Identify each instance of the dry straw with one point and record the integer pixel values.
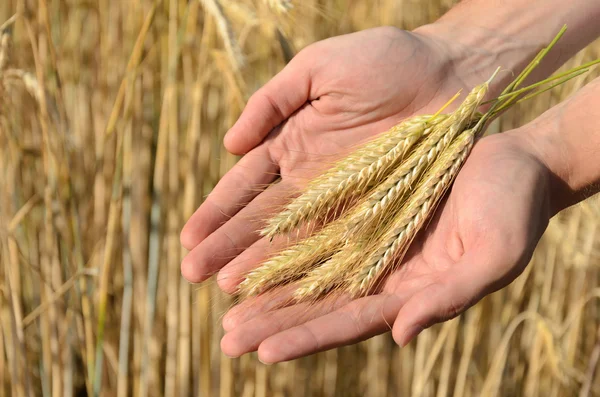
(236, 56)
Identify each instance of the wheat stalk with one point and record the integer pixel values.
(28, 80)
(236, 56)
(350, 176)
(413, 216)
(4, 49)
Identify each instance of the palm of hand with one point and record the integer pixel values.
(334, 95)
(356, 95)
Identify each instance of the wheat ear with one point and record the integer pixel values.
(356, 259)
(292, 263)
(363, 219)
(351, 176)
(413, 216)
(329, 275)
(393, 189)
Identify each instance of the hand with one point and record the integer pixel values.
(481, 239)
(333, 95)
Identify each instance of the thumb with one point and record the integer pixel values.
(456, 289)
(271, 105)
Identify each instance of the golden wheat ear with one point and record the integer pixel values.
(369, 165)
(353, 175)
(390, 193)
(397, 181)
(292, 263)
(362, 222)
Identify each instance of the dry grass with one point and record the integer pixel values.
(72, 202)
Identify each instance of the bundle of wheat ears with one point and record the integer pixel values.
(384, 193)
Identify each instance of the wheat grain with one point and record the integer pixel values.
(328, 276)
(352, 175)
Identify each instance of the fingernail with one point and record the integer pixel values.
(263, 362)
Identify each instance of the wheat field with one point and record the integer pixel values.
(112, 115)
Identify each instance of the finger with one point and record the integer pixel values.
(464, 284)
(236, 189)
(234, 236)
(254, 306)
(232, 274)
(359, 320)
(270, 105)
(400, 283)
(249, 335)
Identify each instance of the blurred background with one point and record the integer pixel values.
(112, 115)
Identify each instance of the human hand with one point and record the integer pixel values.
(333, 95)
(481, 239)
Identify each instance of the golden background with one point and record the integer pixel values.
(112, 115)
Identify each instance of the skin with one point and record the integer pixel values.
(333, 95)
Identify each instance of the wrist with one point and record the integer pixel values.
(482, 35)
(475, 53)
(544, 151)
(566, 139)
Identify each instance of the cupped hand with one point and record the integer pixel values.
(333, 95)
(481, 239)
